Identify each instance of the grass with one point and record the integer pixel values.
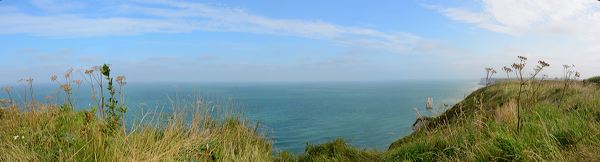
(195, 131)
(55, 134)
(468, 133)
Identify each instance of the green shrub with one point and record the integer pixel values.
(595, 79)
(337, 150)
(435, 150)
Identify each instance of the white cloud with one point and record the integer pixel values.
(162, 16)
(561, 31)
(580, 18)
(78, 26)
(56, 5)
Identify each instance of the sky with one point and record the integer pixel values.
(284, 40)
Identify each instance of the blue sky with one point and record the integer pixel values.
(239, 40)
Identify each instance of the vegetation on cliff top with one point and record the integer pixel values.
(205, 131)
(484, 126)
(559, 121)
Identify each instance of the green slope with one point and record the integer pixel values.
(484, 126)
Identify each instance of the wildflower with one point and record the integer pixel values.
(16, 137)
(518, 66)
(522, 58)
(507, 69)
(121, 80)
(66, 87)
(543, 63)
(68, 73)
(7, 89)
(89, 71)
(53, 78)
(78, 82)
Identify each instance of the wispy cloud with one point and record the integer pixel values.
(579, 18)
(563, 31)
(56, 5)
(163, 16)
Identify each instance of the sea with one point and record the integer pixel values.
(369, 115)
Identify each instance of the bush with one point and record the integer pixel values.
(434, 150)
(595, 79)
(337, 150)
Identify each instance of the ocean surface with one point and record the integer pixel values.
(367, 114)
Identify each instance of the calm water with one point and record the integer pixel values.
(367, 114)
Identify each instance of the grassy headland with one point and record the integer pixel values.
(483, 127)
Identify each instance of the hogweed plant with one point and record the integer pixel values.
(94, 77)
(519, 70)
(28, 89)
(488, 76)
(536, 71)
(122, 107)
(8, 90)
(508, 71)
(519, 74)
(536, 89)
(569, 75)
(66, 87)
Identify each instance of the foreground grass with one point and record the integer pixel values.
(55, 134)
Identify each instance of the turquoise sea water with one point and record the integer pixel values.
(366, 114)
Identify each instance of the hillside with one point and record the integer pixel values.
(483, 126)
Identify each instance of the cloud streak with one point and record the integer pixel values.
(162, 16)
(565, 31)
(580, 18)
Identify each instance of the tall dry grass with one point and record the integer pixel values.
(192, 130)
